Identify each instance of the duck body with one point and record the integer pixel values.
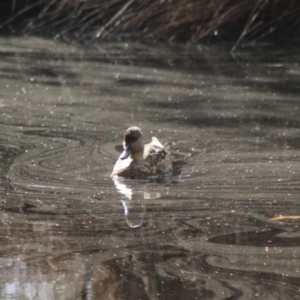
(139, 160)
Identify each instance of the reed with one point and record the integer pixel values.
(181, 20)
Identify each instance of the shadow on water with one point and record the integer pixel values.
(223, 226)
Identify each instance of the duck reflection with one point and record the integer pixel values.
(134, 201)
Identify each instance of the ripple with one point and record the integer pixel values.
(268, 238)
(59, 163)
(210, 273)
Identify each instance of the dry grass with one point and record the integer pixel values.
(186, 20)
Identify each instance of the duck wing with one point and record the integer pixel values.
(155, 154)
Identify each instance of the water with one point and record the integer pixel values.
(224, 226)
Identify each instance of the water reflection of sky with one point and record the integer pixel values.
(224, 225)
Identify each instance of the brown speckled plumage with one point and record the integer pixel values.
(139, 160)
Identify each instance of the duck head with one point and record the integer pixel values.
(133, 143)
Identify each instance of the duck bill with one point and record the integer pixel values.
(126, 153)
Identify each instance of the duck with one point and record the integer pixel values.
(139, 160)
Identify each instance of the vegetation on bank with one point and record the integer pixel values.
(179, 20)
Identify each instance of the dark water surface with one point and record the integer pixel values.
(224, 226)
